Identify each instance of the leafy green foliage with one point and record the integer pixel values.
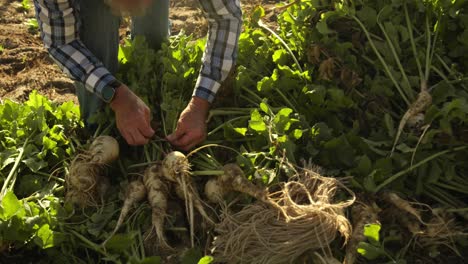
(329, 87)
(34, 142)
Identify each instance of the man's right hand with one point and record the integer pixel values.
(132, 116)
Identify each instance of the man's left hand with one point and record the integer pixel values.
(191, 127)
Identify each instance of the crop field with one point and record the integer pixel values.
(341, 137)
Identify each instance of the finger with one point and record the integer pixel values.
(146, 130)
(128, 137)
(189, 140)
(176, 135)
(139, 138)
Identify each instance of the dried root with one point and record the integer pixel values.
(304, 218)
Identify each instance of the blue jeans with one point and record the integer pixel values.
(100, 33)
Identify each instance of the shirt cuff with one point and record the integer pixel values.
(100, 80)
(206, 88)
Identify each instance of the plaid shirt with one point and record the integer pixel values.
(60, 24)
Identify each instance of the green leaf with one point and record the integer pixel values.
(265, 85)
(151, 260)
(371, 231)
(122, 57)
(280, 57)
(120, 242)
(364, 166)
(206, 260)
(7, 158)
(12, 206)
(240, 130)
(389, 124)
(45, 237)
(191, 256)
(323, 28)
(256, 122)
(257, 14)
(264, 107)
(368, 16)
(369, 182)
(35, 164)
(369, 251)
(297, 134)
(49, 143)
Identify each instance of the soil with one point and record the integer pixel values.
(26, 66)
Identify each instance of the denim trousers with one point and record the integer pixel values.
(99, 31)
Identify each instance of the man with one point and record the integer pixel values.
(82, 37)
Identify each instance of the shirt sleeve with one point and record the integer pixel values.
(59, 25)
(225, 22)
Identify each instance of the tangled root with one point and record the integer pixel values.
(303, 218)
(85, 182)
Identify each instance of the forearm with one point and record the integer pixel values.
(59, 24)
(225, 22)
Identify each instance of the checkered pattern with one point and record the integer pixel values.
(225, 22)
(59, 23)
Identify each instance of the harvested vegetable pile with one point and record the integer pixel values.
(307, 219)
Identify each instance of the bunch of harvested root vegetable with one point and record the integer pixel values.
(156, 185)
(86, 181)
(283, 225)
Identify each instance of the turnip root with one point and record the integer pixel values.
(87, 171)
(157, 192)
(135, 192)
(214, 191)
(423, 101)
(82, 176)
(233, 179)
(104, 150)
(402, 204)
(175, 165)
(175, 168)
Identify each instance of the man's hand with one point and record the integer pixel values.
(191, 127)
(132, 116)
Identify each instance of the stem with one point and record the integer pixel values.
(382, 61)
(50, 176)
(451, 187)
(262, 25)
(207, 173)
(440, 198)
(286, 100)
(428, 50)
(252, 93)
(138, 165)
(443, 76)
(249, 100)
(224, 124)
(448, 199)
(211, 145)
(403, 172)
(92, 245)
(13, 172)
(230, 111)
(457, 210)
(397, 60)
(413, 44)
